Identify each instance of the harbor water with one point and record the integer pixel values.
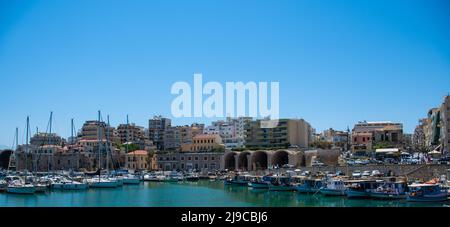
(203, 193)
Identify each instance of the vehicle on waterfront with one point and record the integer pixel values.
(317, 163)
(376, 173)
(366, 174)
(390, 189)
(356, 174)
(426, 193)
(334, 187)
(359, 188)
(281, 183)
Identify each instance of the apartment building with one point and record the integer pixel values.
(156, 129)
(288, 132)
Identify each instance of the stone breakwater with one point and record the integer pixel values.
(422, 172)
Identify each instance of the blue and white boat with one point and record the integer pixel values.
(359, 188)
(281, 183)
(241, 180)
(260, 182)
(426, 193)
(309, 185)
(334, 187)
(389, 190)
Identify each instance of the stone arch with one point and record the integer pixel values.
(259, 160)
(280, 158)
(243, 160)
(230, 161)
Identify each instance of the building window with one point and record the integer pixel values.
(205, 158)
(196, 158)
(182, 158)
(205, 166)
(212, 158)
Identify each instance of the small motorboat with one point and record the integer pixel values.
(97, 182)
(359, 188)
(131, 179)
(389, 190)
(237, 180)
(334, 187)
(281, 183)
(426, 193)
(20, 187)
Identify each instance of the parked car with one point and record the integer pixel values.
(350, 162)
(288, 166)
(444, 160)
(376, 173)
(340, 173)
(366, 174)
(317, 163)
(356, 174)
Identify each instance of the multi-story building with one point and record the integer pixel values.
(156, 129)
(335, 137)
(130, 133)
(206, 143)
(43, 138)
(186, 161)
(445, 125)
(137, 160)
(381, 134)
(95, 130)
(172, 139)
(288, 132)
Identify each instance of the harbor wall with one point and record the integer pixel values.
(423, 172)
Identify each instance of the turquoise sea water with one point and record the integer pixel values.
(187, 194)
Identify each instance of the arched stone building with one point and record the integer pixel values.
(261, 159)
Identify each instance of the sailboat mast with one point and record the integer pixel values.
(26, 143)
(48, 136)
(99, 155)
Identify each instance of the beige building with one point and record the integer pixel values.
(288, 132)
(204, 143)
(137, 160)
(369, 135)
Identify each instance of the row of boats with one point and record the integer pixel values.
(27, 183)
(377, 188)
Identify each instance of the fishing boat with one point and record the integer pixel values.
(173, 176)
(334, 187)
(309, 185)
(281, 183)
(192, 177)
(426, 193)
(131, 179)
(359, 188)
(20, 187)
(389, 190)
(241, 180)
(260, 182)
(151, 177)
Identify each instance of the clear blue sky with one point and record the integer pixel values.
(337, 62)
